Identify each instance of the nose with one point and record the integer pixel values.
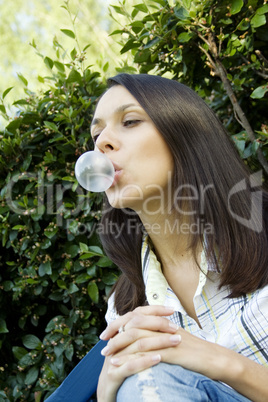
(106, 141)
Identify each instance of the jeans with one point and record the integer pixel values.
(169, 383)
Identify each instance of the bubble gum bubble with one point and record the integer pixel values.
(94, 171)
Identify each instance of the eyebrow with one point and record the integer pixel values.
(120, 109)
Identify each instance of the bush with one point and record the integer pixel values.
(54, 275)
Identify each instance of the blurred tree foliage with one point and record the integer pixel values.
(38, 23)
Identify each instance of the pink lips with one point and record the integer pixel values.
(116, 167)
(118, 171)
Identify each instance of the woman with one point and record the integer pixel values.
(188, 317)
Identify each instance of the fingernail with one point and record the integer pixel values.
(175, 339)
(105, 351)
(173, 326)
(156, 358)
(103, 335)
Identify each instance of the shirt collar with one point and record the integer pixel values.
(156, 287)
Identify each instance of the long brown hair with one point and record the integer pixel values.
(204, 157)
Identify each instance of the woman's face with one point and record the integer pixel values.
(123, 131)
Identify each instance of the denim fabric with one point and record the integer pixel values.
(170, 383)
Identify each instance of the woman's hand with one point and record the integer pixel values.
(146, 317)
(112, 375)
(145, 323)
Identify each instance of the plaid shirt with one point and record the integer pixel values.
(240, 323)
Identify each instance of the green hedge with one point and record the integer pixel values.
(54, 276)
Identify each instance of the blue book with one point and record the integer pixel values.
(81, 383)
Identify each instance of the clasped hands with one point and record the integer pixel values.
(140, 334)
(145, 337)
(150, 337)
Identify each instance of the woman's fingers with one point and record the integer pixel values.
(123, 367)
(146, 317)
(137, 341)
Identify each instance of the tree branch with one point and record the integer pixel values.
(239, 112)
(215, 62)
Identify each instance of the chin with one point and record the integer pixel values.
(128, 205)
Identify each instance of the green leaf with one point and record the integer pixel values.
(86, 47)
(96, 251)
(105, 67)
(69, 351)
(263, 9)
(82, 278)
(161, 2)
(50, 232)
(45, 268)
(69, 178)
(20, 102)
(185, 37)
(23, 79)
(109, 278)
(31, 342)
(48, 62)
(131, 44)
(181, 13)
(19, 352)
(152, 42)
(83, 247)
(186, 4)
(19, 227)
(255, 146)
(69, 33)
(259, 92)
(104, 262)
(73, 288)
(74, 76)
(119, 10)
(142, 56)
(61, 284)
(2, 109)
(31, 376)
(236, 6)
(116, 32)
(59, 66)
(72, 250)
(73, 53)
(41, 79)
(141, 7)
(3, 326)
(51, 126)
(258, 20)
(6, 92)
(137, 26)
(93, 292)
